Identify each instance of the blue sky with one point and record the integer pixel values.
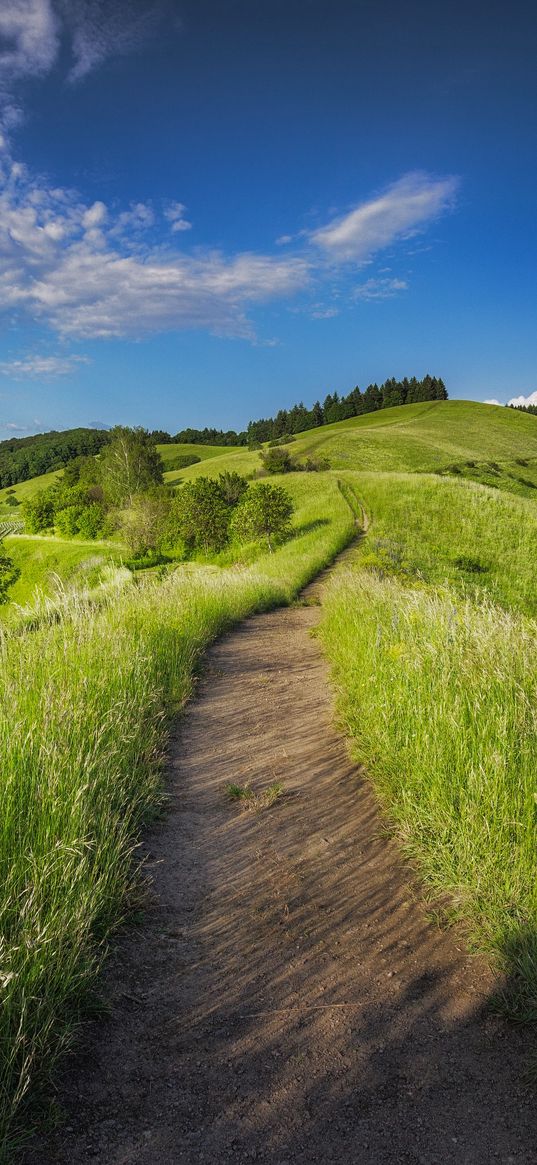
(212, 209)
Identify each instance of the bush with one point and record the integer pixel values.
(232, 487)
(182, 461)
(265, 512)
(200, 516)
(286, 440)
(91, 521)
(277, 460)
(39, 513)
(67, 521)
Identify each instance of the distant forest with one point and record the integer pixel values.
(24, 457)
(334, 408)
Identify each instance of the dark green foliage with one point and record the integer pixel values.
(39, 513)
(9, 573)
(335, 408)
(200, 516)
(182, 461)
(24, 457)
(470, 565)
(11, 500)
(232, 487)
(313, 464)
(265, 512)
(209, 437)
(277, 460)
(281, 441)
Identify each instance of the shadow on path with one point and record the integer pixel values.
(287, 999)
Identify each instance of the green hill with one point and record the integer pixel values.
(436, 435)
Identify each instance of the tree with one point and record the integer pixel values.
(9, 573)
(201, 516)
(143, 525)
(39, 512)
(277, 460)
(130, 464)
(265, 512)
(232, 487)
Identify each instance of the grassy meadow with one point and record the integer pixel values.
(82, 749)
(432, 640)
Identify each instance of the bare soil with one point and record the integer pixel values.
(287, 999)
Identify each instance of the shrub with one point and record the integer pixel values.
(265, 512)
(232, 487)
(277, 460)
(39, 513)
(182, 461)
(200, 516)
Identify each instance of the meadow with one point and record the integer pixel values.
(432, 641)
(82, 750)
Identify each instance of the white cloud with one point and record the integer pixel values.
(493, 401)
(175, 215)
(79, 269)
(524, 400)
(401, 211)
(29, 32)
(41, 367)
(88, 270)
(379, 288)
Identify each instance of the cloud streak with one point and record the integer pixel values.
(35, 367)
(400, 212)
(93, 271)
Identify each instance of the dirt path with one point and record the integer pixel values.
(286, 999)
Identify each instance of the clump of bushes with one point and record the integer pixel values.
(182, 461)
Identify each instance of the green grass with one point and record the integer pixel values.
(412, 438)
(435, 521)
(439, 697)
(45, 560)
(424, 437)
(25, 490)
(85, 703)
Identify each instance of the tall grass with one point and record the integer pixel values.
(444, 526)
(84, 706)
(439, 696)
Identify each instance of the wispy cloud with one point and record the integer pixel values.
(35, 367)
(101, 29)
(401, 211)
(381, 288)
(524, 400)
(91, 270)
(175, 213)
(31, 33)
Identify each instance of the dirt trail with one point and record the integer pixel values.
(286, 999)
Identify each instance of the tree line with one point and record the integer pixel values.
(340, 408)
(525, 409)
(24, 457)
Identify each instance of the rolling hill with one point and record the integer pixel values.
(436, 435)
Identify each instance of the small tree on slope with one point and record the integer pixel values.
(265, 512)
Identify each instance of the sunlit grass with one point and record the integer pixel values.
(84, 705)
(439, 696)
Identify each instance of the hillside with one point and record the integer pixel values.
(435, 435)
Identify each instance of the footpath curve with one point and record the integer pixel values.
(286, 999)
